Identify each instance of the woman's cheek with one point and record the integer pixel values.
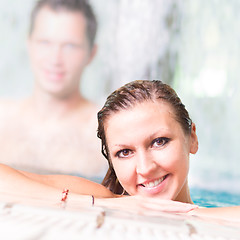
(165, 159)
(171, 157)
(125, 172)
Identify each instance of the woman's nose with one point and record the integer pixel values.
(145, 164)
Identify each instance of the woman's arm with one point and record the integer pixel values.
(145, 205)
(46, 186)
(75, 184)
(225, 213)
(25, 187)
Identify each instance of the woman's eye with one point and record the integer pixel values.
(159, 142)
(124, 153)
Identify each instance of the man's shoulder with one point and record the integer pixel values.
(92, 105)
(87, 115)
(9, 106)
(88, 108)
(5, 104)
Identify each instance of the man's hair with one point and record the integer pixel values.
(81, 6)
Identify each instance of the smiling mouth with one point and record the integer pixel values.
(154, 183)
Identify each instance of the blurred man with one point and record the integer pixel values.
(54, 131)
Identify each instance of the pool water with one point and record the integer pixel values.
(207, 198)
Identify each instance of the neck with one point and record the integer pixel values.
(48, 106)
(184, 195)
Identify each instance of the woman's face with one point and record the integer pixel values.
(149, 150)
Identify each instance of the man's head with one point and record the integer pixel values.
(61, 45)
(81, 6)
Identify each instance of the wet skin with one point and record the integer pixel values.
(150, 151)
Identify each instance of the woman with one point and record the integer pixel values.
(147, 137)
(52, 190)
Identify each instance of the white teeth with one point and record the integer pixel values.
(154, 183)
(151, 184)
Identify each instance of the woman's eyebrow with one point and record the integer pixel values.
(121, 145)
(161, 131)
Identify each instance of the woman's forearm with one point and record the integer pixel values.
(46, 186)
(14, 183)
(225, 213)
(75, 184)
(31, 188)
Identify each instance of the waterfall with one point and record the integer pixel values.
(207, 80)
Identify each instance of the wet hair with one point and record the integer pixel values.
(127, 97)
(81, 6)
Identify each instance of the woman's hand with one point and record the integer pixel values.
(144, 205)
(224, 213)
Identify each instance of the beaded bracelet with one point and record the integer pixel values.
(64, 194)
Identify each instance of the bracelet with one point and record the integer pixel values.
(64, 194)
(92, 200)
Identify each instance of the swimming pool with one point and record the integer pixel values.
(208, 198)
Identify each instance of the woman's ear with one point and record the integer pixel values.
(193, 140)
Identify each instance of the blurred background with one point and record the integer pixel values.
(191, 45)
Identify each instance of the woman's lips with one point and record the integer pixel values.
(153, 187)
